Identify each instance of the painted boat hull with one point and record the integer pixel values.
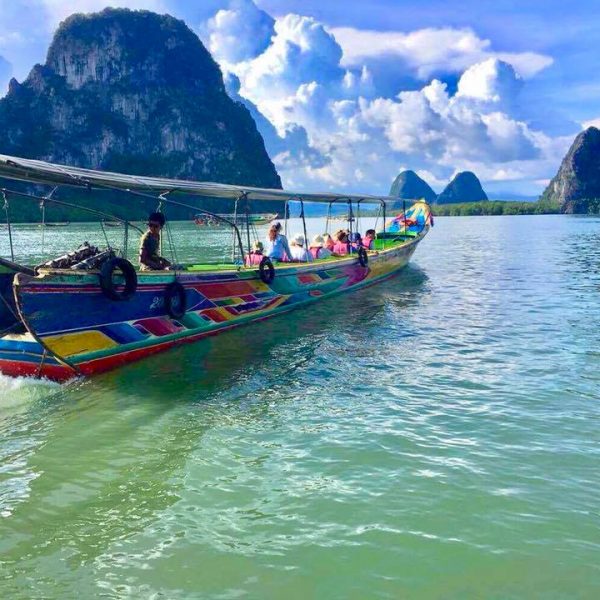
(74, 330)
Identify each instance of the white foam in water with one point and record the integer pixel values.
(15, 390)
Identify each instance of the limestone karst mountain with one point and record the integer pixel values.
(135, 92)
(408, 185)
(464, 187)
(577, 183)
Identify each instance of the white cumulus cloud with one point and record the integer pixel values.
(430, 51)
(240, 32)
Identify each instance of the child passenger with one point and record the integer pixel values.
(369, 239)
(256, 255)
(317, 249)
(340, 247)
(328, 242)
(298, 252)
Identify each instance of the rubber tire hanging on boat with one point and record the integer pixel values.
(363, 257)
(109, 289)
(175, 291)
(266, 270)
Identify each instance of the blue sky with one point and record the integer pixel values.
(348, 93)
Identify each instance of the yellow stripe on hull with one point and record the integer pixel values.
(70, 344)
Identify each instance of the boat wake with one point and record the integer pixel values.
(16, 390)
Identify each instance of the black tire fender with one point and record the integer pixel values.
(363, 257)
(175, 300)
(266, 270)
(109, 289)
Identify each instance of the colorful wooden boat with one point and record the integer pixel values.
(59, 323)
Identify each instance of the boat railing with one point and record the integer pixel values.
(105, 218)
(49, 199)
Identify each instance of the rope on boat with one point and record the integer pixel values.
(17, 322)
(126, 241)
(41, 365)
(8, 225)
(43, 209)
(377, 217)
(171, 244)
(105, 235)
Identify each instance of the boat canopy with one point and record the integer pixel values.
(37, 171)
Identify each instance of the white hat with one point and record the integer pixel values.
(317, 242)
(298, 240)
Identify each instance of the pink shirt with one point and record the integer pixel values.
(368, 242)
(340, 248)
(253, 259)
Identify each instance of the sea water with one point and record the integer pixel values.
(435, 436)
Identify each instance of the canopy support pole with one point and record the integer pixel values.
(304, 229)
(244, 196)
(233, 245)
(328, 217)
(384, 218)
(350, 221)
(8, 225)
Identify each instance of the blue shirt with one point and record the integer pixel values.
(277, 249)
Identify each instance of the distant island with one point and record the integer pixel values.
(495, 208)
(574, 190)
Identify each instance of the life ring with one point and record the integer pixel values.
(363, 257)
(109, 289)
(175, 300)
(266, 270)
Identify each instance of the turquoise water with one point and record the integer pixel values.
(436, 436)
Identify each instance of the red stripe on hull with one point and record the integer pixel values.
(58, 373)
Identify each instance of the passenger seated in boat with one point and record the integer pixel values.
(276, 245)
(150, 260)
(355, 241)
(369, 238)
(340, 246)
(328, 242)
(256, 255)
(298, 252)
(317, 248)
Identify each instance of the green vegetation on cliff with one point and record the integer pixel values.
(490, 207)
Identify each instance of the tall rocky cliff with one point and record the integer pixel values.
(135, 92)
(465, 187)
(577, 184)
(408, 185)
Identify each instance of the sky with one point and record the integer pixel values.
(348, 93)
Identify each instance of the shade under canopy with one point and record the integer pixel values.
(37, 171)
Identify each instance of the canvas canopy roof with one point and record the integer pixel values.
(37, 171)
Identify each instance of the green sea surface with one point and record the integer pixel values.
(434, 436)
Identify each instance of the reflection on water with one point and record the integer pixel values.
(435, 435)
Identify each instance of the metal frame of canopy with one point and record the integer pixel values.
(42, 172)
(37, 171)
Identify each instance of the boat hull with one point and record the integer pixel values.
(74, 330)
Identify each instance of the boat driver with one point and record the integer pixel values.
(150, 260)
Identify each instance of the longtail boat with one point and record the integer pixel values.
(222, 221)
(91, 310)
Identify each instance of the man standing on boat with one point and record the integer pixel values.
(150, 260)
